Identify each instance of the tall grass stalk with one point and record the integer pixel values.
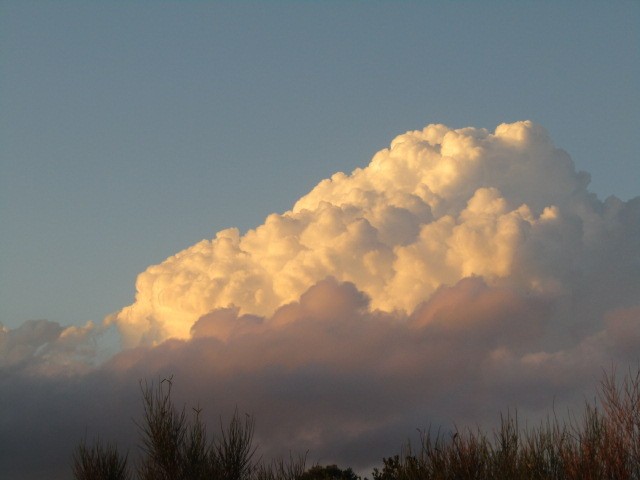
(604, 443)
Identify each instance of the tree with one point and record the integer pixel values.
(329, 472)
(391, 469)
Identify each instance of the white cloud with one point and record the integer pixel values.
(437, 206)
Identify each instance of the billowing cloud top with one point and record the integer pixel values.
(437, 206)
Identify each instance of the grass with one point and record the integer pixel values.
(604, 443)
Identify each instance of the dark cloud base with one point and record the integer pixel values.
(343, 383)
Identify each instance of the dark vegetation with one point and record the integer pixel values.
(604, 443)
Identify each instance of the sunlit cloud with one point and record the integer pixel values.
(437, 206)
(460, 273)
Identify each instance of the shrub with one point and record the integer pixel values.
(176, 447)
(328, 472)
(99, 462)
(602, 444)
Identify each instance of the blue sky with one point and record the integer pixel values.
(131, 130)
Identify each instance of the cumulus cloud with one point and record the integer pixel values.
(460, 273)
(41, 345)
(437, 206)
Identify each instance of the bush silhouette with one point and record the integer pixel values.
(329, 472)
(602, 444)
(175, 447)
(99, 462)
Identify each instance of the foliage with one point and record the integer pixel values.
(176, 447)
(280, 469)
(329, 472)
(603, 444)
(99, 462)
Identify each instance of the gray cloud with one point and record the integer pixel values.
(349, 386)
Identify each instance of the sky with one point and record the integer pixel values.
(162, 176)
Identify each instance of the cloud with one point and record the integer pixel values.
(41, 345)
(459, 274)
(437, 206)
(327, 374)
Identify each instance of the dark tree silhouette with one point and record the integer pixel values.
(329, 472)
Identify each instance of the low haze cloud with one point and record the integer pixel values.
(461, 273)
